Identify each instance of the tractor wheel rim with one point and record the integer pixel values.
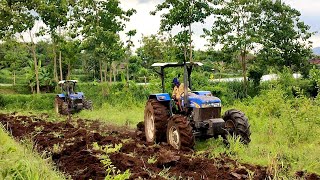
(230, 126)
(150, 126)
(57, 108)
(174, 137)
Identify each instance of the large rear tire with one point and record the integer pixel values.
(237, 125)
(87, 104)
(179, 132)
(155, 121)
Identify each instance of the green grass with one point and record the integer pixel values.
(116, 115)
(18, 161)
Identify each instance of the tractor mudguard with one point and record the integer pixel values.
(160, 97)
(61, 95)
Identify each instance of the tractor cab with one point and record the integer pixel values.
(68, 89)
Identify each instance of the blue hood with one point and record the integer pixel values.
(203, 99)
(78, 95)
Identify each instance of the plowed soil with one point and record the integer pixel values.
(71, 146)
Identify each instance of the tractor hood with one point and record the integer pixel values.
(78, 95)
(203, 99)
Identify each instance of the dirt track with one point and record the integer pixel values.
(71, 148)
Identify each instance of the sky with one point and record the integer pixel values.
(146, 24)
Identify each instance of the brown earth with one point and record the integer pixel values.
(71, 146)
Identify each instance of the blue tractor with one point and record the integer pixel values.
(199, 115)
(70, 101)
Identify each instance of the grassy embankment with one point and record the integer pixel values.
(18, 161)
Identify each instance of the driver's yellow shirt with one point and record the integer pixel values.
(178, 91)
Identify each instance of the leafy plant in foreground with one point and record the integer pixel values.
(112, 172)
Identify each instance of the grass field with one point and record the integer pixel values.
(19, 161)
(117, 115)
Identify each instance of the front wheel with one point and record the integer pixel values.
(236, 123)
(179, 132)
(60, 106)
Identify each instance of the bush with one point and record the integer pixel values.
(115, 93)
(16, 89)
(2, 102)
(28, 102)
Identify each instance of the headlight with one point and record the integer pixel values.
(161, 97)
(216, 104)
(211, 105)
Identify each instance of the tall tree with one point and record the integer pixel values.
(151, 49)
(183, 14)
(100, 21)
(70, 48)
(235, 29)
(17, 17)
(130, 44)
(285, 37)
(16, 55)
(55, 15)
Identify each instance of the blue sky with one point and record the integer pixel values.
(146, 24)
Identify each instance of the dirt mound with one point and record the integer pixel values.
(73, 147)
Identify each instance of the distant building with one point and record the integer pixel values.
(315, 61)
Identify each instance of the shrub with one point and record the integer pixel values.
(2, 102)
(28, 102)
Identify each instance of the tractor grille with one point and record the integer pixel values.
(76, 101)
(207, 113)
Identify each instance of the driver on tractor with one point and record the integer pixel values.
(178, 91)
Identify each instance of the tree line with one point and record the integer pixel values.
(253, 36)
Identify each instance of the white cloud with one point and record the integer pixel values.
(25, 36)
(142, 21)
(316, 40)
(307, 7)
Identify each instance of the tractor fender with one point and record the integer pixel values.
(61, 95)
(160, 97)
